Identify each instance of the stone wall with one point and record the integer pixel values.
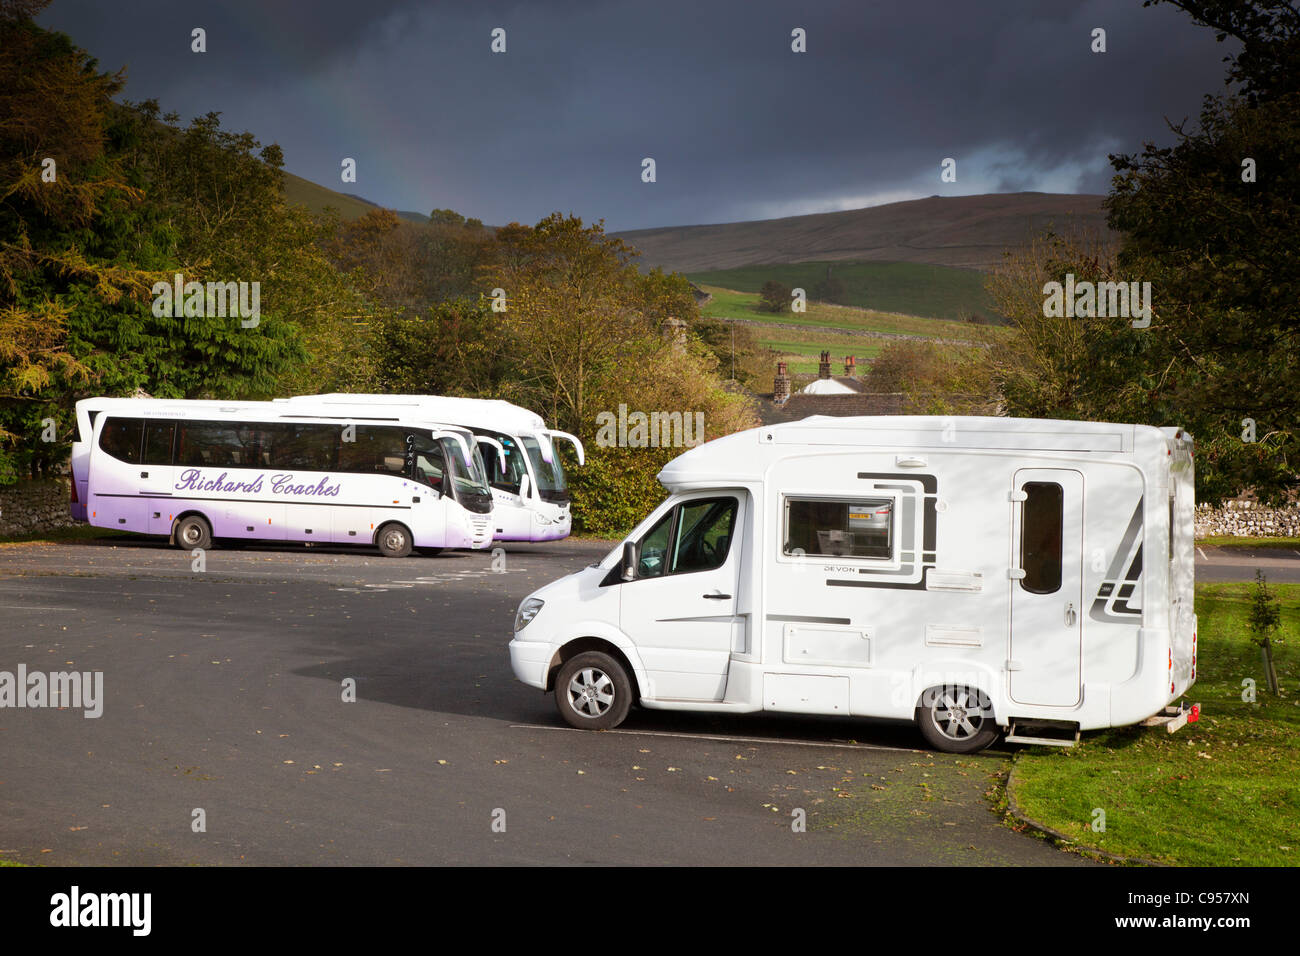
(34, 505)
(1247, 519)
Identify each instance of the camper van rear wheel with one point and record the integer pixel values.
(956, 719)
(592, 691)
(193, 531)
(394, 540)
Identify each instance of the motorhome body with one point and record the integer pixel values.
(968, 573)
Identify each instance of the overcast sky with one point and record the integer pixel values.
(739, 126)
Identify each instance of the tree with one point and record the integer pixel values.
(1269, 33)
(1210, 223)
(829, 289)
(59, 182)
(458, 347)
(1265, 618)
(774, 296)
(586, 332)
(935, 379)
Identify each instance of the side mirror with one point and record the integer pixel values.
(629, 560)
(523, 487)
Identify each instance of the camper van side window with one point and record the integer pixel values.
(1041, 537)
(857, 528)
(652, 556)
(694, 536)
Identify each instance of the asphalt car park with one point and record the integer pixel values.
(227, 734)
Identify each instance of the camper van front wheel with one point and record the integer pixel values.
(956, 719)
(592, 691)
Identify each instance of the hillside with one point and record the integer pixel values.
(913, 288)
(968, 232)
(304, 192)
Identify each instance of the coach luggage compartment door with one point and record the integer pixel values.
(1046, 587)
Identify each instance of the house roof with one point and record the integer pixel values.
(802, 405)
(830, 386)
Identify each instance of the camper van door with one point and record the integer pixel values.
(680, 609)
(1046, 587)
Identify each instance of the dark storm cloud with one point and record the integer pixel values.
(739, 126)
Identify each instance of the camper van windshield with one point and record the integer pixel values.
(551, 485)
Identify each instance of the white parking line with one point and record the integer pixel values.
(32, 607)
(1202, 554)
(723, 738)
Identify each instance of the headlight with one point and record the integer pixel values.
(527, 611)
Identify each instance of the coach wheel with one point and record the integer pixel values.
(956, 719)
(394, 541)
(193, 531)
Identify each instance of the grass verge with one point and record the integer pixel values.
(1222, 541)
(77, 532)
(1220, 792)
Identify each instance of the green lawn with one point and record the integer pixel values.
(1222, 541)
(803, 350)
(940, 292)
(1221, 792)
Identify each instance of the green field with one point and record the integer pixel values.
(908, 288)
(733, 304)
(802, 350)
(800, 347)
(1219, 792)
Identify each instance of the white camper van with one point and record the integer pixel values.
(976, 575)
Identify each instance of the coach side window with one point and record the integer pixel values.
(377, 449)
(158, 438)
(121, 438)
(218, 445)
(304, 447)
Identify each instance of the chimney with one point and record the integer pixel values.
(781, 387)
(850, 366)
(824, 369)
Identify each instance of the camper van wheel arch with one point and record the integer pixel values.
(956, 719)
(593, 691)
(192, 531)
(393, 540)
